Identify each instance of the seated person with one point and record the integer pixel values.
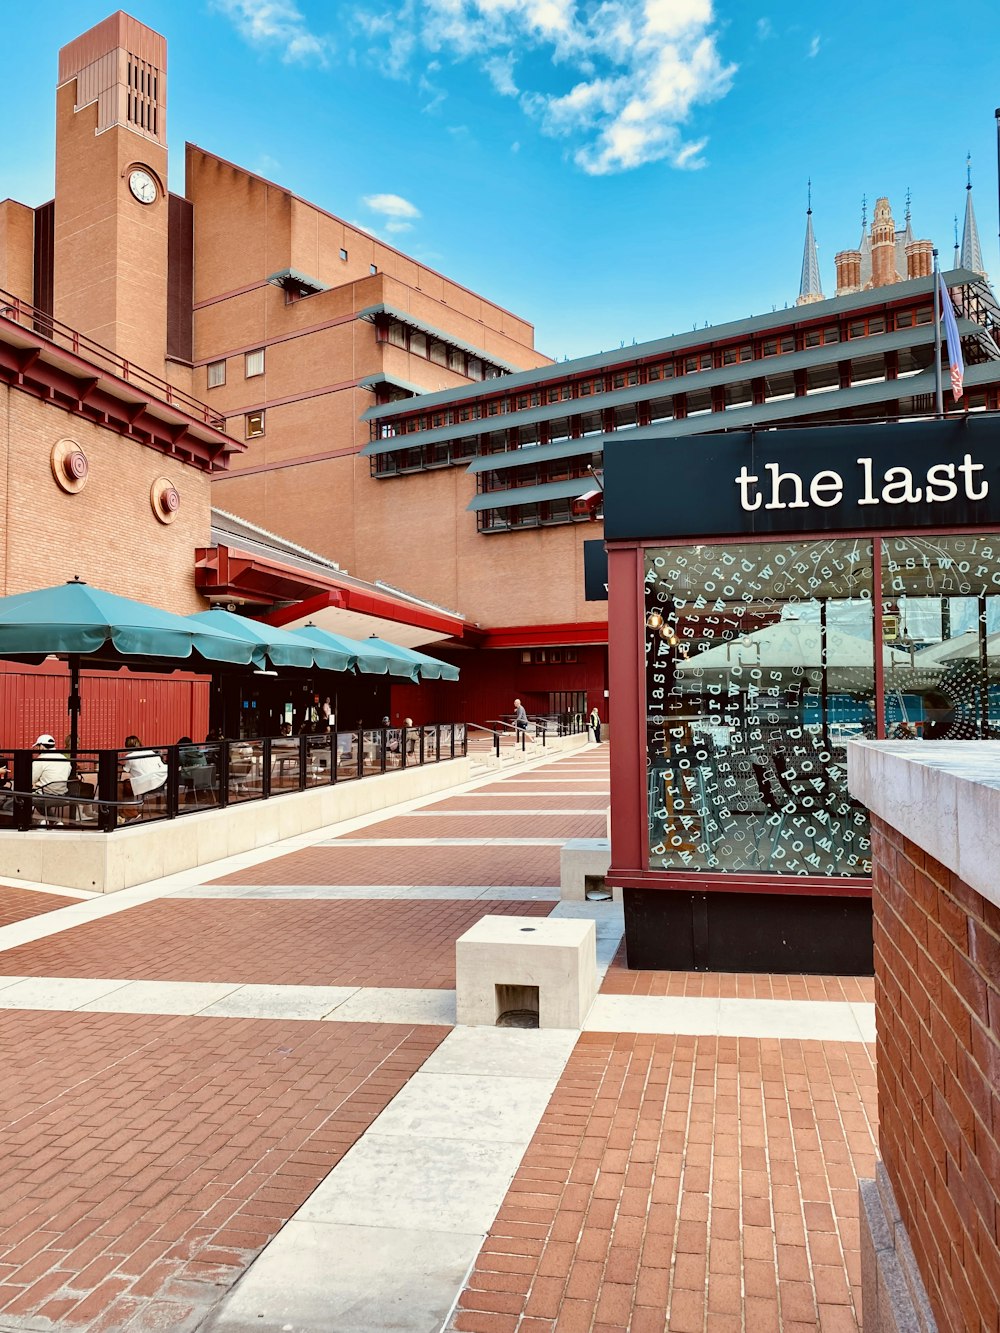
(51, 769)
(50, 772)
(145, 770)
(189, 755)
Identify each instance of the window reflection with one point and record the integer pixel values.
(941, 615)
(760, 667)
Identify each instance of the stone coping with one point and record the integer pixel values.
(944, 796)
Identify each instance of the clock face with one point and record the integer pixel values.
(142, 186)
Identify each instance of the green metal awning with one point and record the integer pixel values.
(530, 495)
(371, 312)
(373, 381)
(538, 453)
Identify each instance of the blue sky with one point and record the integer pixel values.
(611, 172)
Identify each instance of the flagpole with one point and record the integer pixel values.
(938, 384)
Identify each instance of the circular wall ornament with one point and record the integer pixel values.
(69, 466)
(165, 499)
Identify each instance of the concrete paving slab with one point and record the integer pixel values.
(467, 1107)
(421, 1183)
(456, 892)
(710, 1016)
(160, 997)
(384, 1004)
(56, 992)
(317, 1277)
(259, 1001)
(512, 1052)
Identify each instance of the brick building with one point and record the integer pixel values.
(389, 422)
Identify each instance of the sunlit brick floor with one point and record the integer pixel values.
(687, 1183)
(146, 1160)
(19, 904)
(674, 1183)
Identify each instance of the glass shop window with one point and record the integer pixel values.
(760, 667)
(941, 636)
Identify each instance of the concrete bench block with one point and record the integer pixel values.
(553, 958)
(580, 860)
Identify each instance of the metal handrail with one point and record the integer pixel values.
(43, 325)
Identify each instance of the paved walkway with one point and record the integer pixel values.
(243, 1103)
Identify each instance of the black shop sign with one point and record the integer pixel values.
(940, 474)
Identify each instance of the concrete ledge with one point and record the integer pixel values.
(928, 790)
(580, 860)
(893, 1298)
(106, 862)
(553, 959)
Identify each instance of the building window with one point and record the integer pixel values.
(343, 254)
(372, 268)
(216, 374)
(254, 363)
(456, 360)
(254, 424)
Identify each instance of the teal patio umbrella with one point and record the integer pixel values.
(430, 668)
(74, 620)
(370, 661)
(283, 648)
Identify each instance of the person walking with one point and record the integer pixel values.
(595, 724)
(520, 719)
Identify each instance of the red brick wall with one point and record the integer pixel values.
(937, 994)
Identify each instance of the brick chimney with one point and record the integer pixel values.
(919, 259)
(848, 264)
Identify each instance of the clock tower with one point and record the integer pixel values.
(111, 208)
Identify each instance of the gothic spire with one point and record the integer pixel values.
(972, 254)
(810, 287)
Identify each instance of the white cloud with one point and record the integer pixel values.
(391, 206)
(395, 227)
(764, 29)
(277, 24)
(622, 76)
(814, 46)
(501, 73)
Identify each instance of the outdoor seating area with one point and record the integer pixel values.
(98, 792)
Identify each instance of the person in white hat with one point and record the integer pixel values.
(51, 770)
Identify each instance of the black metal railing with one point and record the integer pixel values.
(103, 789)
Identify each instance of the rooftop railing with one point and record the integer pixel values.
(37, 321)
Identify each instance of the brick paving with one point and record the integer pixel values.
(503, 800)
(688, 1184)
(20, 904)
(745, 985)
(303, 942)
(340, 863)
(486, 826)
(147, 1160)
(674, 1183)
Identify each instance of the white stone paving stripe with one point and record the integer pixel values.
(697, 1016)
(498, 814)
(444, 842)
(456, 892)
(801, 1020)
(438, 1159)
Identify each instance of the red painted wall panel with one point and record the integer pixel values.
(158, 708)
(490, 681)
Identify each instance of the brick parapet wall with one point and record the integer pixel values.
(937, 996)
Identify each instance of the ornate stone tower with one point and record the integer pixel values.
(110, 236)
(883, 243)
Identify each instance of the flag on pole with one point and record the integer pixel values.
(955, 362)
